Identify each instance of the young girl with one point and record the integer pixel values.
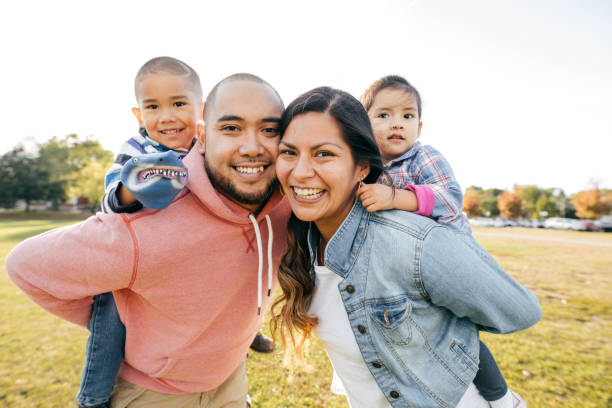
(419, 179)
(389, 293)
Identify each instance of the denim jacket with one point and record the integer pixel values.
(416, 294)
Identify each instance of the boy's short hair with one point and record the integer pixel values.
(210, 98)
(389, 81)
(171, 66)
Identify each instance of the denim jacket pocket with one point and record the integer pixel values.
(391, 320)
(465, 359)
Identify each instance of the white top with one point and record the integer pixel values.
(339, 341)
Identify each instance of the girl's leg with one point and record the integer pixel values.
(489, 380)
(103, 353)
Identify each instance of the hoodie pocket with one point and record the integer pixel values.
(391, 320)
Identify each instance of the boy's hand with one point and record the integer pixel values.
(155, 179)
(375, 197)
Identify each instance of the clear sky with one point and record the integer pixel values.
(516, 91)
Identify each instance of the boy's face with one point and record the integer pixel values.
(168, 109)
(241, 141)
(395, 122)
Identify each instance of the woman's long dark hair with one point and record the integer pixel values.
(294, 270)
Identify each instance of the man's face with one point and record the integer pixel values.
(241, 141)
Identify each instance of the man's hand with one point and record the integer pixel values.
(375, 197)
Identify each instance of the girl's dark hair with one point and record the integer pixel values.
(294, 270)
(390, 81)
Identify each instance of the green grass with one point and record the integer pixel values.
(564, 361)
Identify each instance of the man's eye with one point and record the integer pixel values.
(383, 115)
(230, 128)
(271, 130)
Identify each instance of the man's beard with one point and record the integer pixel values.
(225, 187)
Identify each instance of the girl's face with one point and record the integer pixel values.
(395, 121)
(317, 171)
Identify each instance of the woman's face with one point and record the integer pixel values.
(317, 171)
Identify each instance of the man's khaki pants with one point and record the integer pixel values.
(231, 394)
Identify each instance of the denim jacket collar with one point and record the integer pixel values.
(342, 249)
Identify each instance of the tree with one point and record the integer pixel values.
(471, 203)
(66, 159)
(23, 178)
(547, 204)
(510, 204)
(530, 195)
(594, 203)
(90, 182)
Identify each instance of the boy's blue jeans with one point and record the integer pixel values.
(103, 353)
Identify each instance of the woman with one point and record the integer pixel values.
(396, 298)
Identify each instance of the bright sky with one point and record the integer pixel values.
(515, 91)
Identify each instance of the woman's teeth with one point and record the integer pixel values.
(250, 170)
(308, 193)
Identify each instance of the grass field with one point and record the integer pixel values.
(564, 361)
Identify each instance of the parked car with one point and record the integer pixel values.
(558, 223)
(605, 223)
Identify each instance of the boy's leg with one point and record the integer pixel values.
(489, 380)
(103, 353)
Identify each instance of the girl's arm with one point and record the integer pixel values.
(459, 275)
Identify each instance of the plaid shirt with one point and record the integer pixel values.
(424, 165)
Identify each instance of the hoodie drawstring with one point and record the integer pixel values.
(260, 254)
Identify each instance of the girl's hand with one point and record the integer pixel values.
(375, 197)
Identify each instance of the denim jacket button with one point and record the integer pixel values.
(361, 329)
(394, 394)
(350, 289)
(376, 364)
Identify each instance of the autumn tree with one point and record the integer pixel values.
(592, 204)
(510, 204)
(471, 203)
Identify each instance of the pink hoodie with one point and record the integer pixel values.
(185, 280)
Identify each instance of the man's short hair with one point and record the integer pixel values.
(171, 66)
(210, 98)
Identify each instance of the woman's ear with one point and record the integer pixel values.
(364, 170)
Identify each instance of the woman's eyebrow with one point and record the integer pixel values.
(289, 145)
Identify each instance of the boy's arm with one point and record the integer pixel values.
(63, 268)
(459, 275)
(117, 198)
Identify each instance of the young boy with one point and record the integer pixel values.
(419, 179)
(169, 97)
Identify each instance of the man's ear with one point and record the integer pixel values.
(201, 136)
(138, 114)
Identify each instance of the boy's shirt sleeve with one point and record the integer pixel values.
(112, 180)
(432, 170)
(62, 269)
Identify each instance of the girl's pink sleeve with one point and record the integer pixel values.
(62, 269)
(425, 198)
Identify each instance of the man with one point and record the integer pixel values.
(187, 280)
